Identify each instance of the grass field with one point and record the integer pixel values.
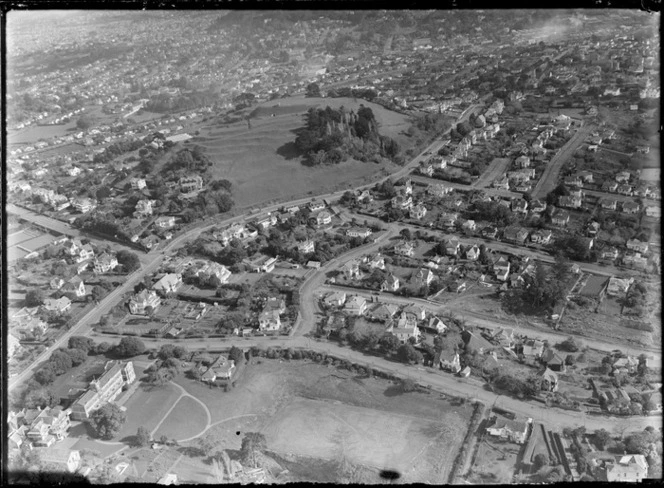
(261, 161)
(146, 407)
(311, 411)
(495, 463)
(185, 420)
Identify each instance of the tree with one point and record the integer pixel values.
(78, 356)
(568, 345)
(61, 362)
(253, 443)
(107, 421)
(408, 385)
(84, 122)
(34, 298)
(601, 438)
(40, 397)
(128, 260)
(80, 342)
(129, 347)
(143, 437)
(236, 354)
(408, 354)
(45, 375)
(168, 351)
(313, 90)
(388, 342)
(103, 347)
(540, 461)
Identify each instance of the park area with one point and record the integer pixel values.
(261, 162)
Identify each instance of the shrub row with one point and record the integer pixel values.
(475, 420)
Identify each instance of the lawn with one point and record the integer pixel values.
(261, 163)
(186, 420)
(146, 407)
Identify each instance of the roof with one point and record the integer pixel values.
(511, 425)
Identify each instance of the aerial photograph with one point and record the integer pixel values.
(332, 246)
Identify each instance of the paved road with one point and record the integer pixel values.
(43, 221)
(549, 178)
(440, 381)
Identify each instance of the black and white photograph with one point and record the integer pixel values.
(262, 245)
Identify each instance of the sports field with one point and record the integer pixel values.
(263, 164)
(146, 407)
(187, 419)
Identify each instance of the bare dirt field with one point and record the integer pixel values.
(261, 161)
(495, 463)
(309, 411)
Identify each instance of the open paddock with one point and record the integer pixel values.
(186, 420)
(146, 407)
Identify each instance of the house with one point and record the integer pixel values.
(504, 337)
(532, 348)
(323, 218)
(512, 430)
(573, 181)
(635, 260)
(315, 206)
(560, 218)
(351, 270)
(263, 264)
(405, 333)
(365, 196)
(618, 286)
(65, 459)
(84, 205)
(269, 320)
(391, 283)
(654, 211)
(625, 190)
(169, 283)
(623, 177)
(422, 277)
(60, 305)
(356, 305)
(436, 324)
(439, 190)
(541, 236)
(335, 299)
(143, 208)
(415, 313)
(140, 301)
(474, 342)
(515, 235)
(208, 273)
(448, 361)
(570, 201)
(452, 247)
(610, 186)
(627, 365)
(469, 225)
(636, 245)
(519, 206)
(586, 176)
(377, 262)
(609, 253)
(418, 211)
(384, 312)
(275, 303)
(548, 380)
(522, 162)
(165, 222)
(553, 360)
(75, 285)
(222, 368)
(168, 479)
(426, 169)
(137, 183)
(448, 219)
(490, 232)
(56, 283)
(306, 247)
(501, 267)
(473, 253)
(404, 248)
(191, 183)
(402, 202)
(501, 184)
(457, 286)
(593, 229)
(361, 232)
(630, 468)
(631, 207)
(104, 263)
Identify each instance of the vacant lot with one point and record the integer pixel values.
(309, 410)
(261, 161)
(495, 463)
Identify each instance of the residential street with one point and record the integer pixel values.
(440, 381)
